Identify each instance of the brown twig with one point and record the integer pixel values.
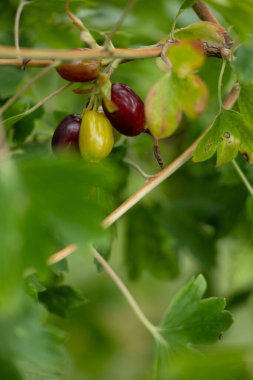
(42, 58)
(31, 63)
(205, 14)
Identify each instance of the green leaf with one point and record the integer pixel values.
(10, 77)
(162, 108)
(229, 134)
(143, 252)
(60, 299)
(204, 31)
(25, 338)
(169, 97)
(185, 57)
(14, 119)
(23, 128)
(189, 319)
(193, 94)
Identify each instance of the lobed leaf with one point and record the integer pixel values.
(189, 319)
(229, 134)
(60, 299)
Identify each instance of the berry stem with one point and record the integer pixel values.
(137, 167)
(223, 67)
(243, 177)
(129, 298)
(157, 153)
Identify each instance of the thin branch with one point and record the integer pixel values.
(128, 296)
(85, 35)
(11, 100)
(223, 67)
(152, 51)
(70, 55)
(62, 254)
(243, 177)
(150, 185)
(31, 63)
(125, 13)
(22, 3)
(167, 172)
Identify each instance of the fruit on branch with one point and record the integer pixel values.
(79, 71)
(65, 136)
(128, 118)
(96, 136)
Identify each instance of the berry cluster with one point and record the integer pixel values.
(92, 135)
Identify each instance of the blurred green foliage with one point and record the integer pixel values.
(70, 321)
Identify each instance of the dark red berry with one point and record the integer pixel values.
(129, 118)
(66, 135)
